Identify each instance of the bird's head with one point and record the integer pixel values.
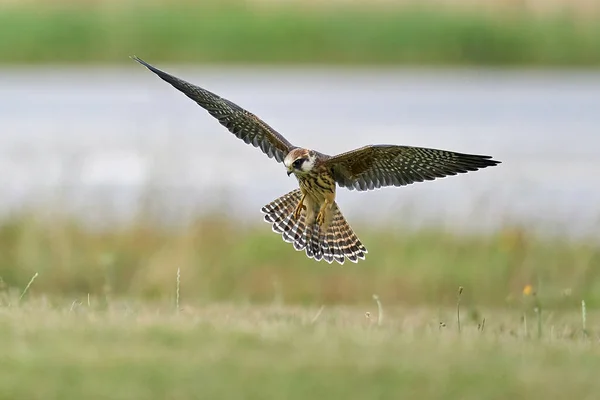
(299, 161)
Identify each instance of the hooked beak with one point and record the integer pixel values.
(289, 172)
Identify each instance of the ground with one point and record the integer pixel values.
(131, 350)
(257, 319)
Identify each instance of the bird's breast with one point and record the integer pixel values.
(317, 185)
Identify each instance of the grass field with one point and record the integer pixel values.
(294, 33)
(220, 260)
(212, 310)
(128, 350)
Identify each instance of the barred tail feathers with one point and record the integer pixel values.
(282, 207)
(332, 234)
(314, 242)
(337, 244)
(346, 243)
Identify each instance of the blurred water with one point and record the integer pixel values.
(95, 141)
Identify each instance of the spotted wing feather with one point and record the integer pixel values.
(243, 124)
(376, 166)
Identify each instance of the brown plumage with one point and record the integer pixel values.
(338, 242)
(309, 217)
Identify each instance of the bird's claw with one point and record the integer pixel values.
(320, 218)
(298, 210)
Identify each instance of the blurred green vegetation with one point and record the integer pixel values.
(238, 32)
(131, 351)
(221, 260)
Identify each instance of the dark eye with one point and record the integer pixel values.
(298, 163)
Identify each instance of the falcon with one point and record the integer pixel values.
(309, 217)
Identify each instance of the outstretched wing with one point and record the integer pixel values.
(372, 167)
(238, 121)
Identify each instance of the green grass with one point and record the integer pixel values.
(234, 32)
(133, 350)
(222, 261)
(257, 319)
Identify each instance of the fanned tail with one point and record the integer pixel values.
(337, 244)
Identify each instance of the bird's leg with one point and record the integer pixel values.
(300, 207)
(321, 216)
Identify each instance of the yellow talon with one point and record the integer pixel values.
(299, 211)
(299, 208)
(320, 218)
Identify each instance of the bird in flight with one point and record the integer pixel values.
(309, 217)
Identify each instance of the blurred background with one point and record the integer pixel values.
(112, 180)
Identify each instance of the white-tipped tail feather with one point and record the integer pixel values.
(337, 244)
